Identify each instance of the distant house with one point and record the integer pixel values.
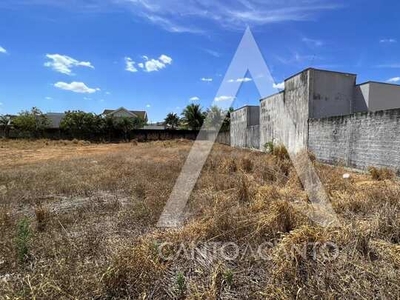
(123, 112)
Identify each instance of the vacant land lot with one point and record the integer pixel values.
(77, 221)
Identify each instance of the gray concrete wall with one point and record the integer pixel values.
(361, 98)
(244, 129)
(296, 106)
(284, 116)
(358, 140)
(238, 128)
(253, 137)
(383, 96)
(270, 120)
(315, 111)
(331, 93)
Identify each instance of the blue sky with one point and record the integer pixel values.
(159, 55)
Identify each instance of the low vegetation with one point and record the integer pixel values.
(78, 222)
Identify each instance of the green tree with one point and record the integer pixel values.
(126, 125)
(227, 120)
(193, 116)
(172, 121)
(139, 123)
(33, 122)
(109, 126)
(81, 124)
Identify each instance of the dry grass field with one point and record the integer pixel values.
(77, 221)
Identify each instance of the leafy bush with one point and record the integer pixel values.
(33, 122)
(269, 147)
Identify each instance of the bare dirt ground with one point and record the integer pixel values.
(17, 153)
(77, 221)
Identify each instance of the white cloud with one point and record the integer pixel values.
(165, 59)
(194, 99)
(108, 93)
(2, 50)
(224, 98)
(148, 105)
(76, 87)
(213, 53)
(312, 42)
(297, 58)
(280, 86)
(153, 65)
(64, 64)
(245, 79)
(149, 65)
(130, 65)
(388, 41)
(393, 66)
(206, 79)
(180, 15)
(394, 79)
(48, 98)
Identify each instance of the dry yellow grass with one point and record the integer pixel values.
(92, 211)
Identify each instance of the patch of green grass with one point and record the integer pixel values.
(22, 240)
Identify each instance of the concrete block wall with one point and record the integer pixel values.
(271, 129)
(244, 128)
(238, 128)
(359, 140)
(253, 137)
(328, 113)
(283, 116)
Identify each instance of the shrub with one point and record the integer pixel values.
(33, 122)
(246, 164)
(180, 283)
(381, 173)
(269, 147)
(42, 217)
(228, 276)
(280, 152)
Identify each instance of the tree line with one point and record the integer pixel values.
(77, 124)
(82, 125)
(193, 117)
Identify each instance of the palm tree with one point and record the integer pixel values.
(193, 116)
(172, 121)
(215, 117)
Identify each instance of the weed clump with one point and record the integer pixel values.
(22, 240)
(381, 173)
(42, 215)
